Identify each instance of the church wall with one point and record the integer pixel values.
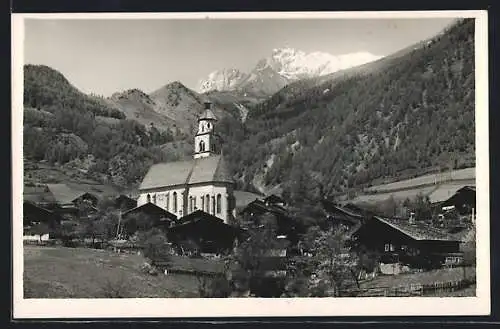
(212, 191)
(194, 191)
(162, 198)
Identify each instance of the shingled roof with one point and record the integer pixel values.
(208, 115)
(201, 170)
(63, 194)
(417, 231)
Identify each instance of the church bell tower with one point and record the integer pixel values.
(204, 141)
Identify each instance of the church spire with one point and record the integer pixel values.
(204, 141)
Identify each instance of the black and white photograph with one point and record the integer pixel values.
(322, 163)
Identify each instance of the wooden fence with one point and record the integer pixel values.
(432, 289)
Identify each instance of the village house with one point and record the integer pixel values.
(125, 202)
(404, 244)
(258, 209)
(401, 243)
(203, 183)
(351, 219)
(204, 232)
(62, 199)
(155, 215)
(39, 224)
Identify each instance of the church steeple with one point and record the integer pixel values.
(204, 141)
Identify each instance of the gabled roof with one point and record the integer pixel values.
(29, 207)
(63, 194)
(196, 216)
(334, 209)
(243, 198)
(467, 192)
(208, 115)
(152, 209)
(261, 207)
(201, 170)
(417, 231)
(446, 191)
(207, 225)
(273, 198)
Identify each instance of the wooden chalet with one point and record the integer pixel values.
(464, 200)
(208, 232)
(286, 224)
(159, 216)
(351, 218)
(61, 199)
(413, 244)
(125, 202)
(67, 197)
(34, 215)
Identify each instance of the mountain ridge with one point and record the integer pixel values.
(283, 66)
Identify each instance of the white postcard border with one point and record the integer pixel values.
(258, 307)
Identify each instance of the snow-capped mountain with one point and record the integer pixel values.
(225, 79)
(283, 66)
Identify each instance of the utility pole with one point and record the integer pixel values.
(119, 222)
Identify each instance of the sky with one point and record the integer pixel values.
(104, 56)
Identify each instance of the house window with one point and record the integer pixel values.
(219, 200)
(207, 203)
(387, 247)
(148, 198)
(391, 247)
(213, 204)
(202, 146)
(404, 247)
(174, 196)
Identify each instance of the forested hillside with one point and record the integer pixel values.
(62, 126)
(412, 114)
(114, 140)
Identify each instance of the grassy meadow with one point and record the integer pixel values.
(57, 272)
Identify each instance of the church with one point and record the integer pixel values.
(202, 183)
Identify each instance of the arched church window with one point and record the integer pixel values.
(154, 198)
(202, 203)
(148, 198)
(208, 125)
(219, 201)
(167, 202)
(207, 202)
(213, 204)
(202, 146)
(194, 203)
(174, 197)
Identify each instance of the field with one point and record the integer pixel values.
(89, 273)
(438, 187)
(467, 174)
(37, 173)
